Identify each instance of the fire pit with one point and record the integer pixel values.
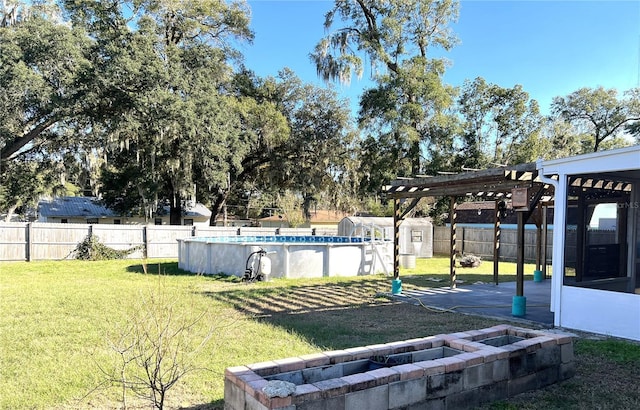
(449, 371)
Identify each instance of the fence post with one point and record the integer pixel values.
(144, 242)
(28, 233)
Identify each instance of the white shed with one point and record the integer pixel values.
(416, 234)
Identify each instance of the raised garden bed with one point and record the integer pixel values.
(449, 371)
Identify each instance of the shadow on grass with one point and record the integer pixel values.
(172, 269)
(344, 314)
(263, 299)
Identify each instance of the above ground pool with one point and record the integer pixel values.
(290, 256)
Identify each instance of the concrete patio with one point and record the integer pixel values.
(487, 299)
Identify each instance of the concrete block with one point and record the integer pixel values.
(306, 392)
(473, 346)
(380, 350)
(546, 341)
(494, 392)
(522, 384)
(233, 396)
(521, 365)
(490, 353)
(453, 382)
(338, 356)
(314, 374)
(563, 338)
(376, 398)
(452, 364)
(233, 372)
(243, 378)
(430, 367)
(466, 399)
(290, 364)
(567, 370)
(530, 345)
(514, 349)
(470, 358)
(436, 341)
(359, 381)
(566, 353)
(407, 392)
(475, 334)
(420, 343)
(461, 335)
(385, 375)
(434, 353)
(409, 371)
(547, 357)
(518, 331)
(358, 353)
(254, 388)
(333, 403)
(356, 366)
(315, 359)
(431, 404)
(284, 403)
(291, 377)
(478, 375)
(475, 397)
(458, 343)
(500, 370)
(547, 376)
(332, 388)
(502, 329)
(251, 403)
(435, 385)
(400, 347)
(265, 368)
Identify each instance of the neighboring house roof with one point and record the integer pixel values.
(196, 210)
(90, 207)
(319, 216)
(74, 206)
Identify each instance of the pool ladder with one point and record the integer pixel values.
(372, 252)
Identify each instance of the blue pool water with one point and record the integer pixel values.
(280, 239)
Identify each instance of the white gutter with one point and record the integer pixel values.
(557, 258)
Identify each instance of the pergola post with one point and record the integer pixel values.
(545, 232)
(396, 238)
(496, 241)
(396, 284)
(519, 305)
(452, 263)
(520, 255)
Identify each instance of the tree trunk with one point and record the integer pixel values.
(414, 154)
(175, 210)
(217, 206)
(10, 212)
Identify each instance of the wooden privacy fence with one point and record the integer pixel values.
(479, 241)
(49, 241)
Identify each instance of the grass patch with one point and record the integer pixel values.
(56, 316)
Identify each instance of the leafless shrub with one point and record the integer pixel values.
(156, 347)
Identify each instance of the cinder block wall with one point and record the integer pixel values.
(479, 373)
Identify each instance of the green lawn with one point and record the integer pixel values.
(57, 320)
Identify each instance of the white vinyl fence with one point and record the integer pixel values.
(49, 241)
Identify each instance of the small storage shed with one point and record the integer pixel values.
(416, 234)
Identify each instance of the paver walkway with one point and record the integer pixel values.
(487, 300)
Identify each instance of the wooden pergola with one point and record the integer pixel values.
(520, 183)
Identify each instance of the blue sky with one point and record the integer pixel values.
(551, 48)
